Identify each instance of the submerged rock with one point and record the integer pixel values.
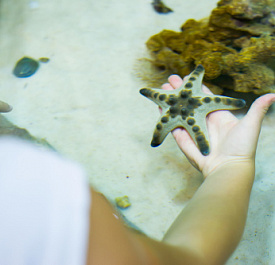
(25, 67)
(123, 202)
(236, 45)
(5, 107)
(160, 7)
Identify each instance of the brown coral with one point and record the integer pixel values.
(236, 46)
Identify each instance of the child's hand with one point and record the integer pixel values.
(231, 140)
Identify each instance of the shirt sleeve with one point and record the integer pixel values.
(44, 207)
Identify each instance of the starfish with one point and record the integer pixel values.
(187, 107)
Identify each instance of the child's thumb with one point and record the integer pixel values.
(258, 109)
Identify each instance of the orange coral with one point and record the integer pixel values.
(236, 46)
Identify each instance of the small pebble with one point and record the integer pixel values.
(5, 107)
(160, 7)
(44, 59)
(25, 67)
(123, 202)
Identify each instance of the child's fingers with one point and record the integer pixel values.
(206, 90)
(257, 111)
(175, 81)
(222, 115)
(167, 86)
(260, 107)
(187, 146)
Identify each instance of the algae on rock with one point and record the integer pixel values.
(236, 46)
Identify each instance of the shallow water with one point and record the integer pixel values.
(85, 102)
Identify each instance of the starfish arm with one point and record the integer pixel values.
(213, 103)
(165, 125)
(199, 133)
(150, 93)
(194, 80)
(163, 98)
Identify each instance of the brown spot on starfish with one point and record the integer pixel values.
(187, 107)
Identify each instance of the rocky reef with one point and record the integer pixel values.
(236, 46)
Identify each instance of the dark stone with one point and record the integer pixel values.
(25, 67)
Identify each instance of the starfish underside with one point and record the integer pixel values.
(187, 107)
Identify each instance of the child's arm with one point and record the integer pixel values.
(214, 219)
(205, 233)
(211, 225)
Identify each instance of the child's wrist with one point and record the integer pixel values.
(234, 166)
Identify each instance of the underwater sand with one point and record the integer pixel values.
(85, 102)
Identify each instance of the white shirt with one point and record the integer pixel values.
(44, 207)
